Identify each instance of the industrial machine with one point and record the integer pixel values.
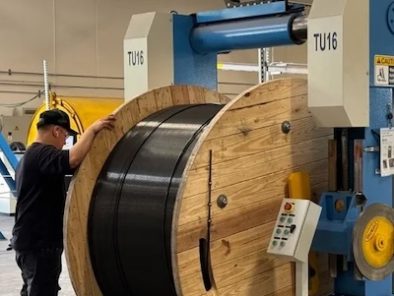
(350, 89)
(351, 80)
(83, 111)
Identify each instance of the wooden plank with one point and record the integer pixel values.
(250, 204)
(252, 190)
(228, 223)
(244, 120)
(259, 164)
(262, 284)
(258, 139)
(273, 91)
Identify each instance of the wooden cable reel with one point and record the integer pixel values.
(247, 156)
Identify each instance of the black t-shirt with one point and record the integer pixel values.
(41, 197)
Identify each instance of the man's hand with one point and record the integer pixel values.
(103, 123)
(83, 145)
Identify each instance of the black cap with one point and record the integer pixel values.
(56, 117)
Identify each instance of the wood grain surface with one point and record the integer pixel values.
(252, 159)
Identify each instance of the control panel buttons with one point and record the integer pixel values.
(292, 228)
(292, 233)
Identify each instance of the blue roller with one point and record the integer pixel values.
(244, 34)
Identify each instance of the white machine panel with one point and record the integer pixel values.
(294, 229)
(338, 62)
(7, 198)
(148, 53)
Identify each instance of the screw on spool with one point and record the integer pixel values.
(286, 127)
(222, 201)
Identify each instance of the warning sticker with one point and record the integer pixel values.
(384, 70)
(387, 151)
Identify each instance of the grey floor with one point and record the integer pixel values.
(10, 280)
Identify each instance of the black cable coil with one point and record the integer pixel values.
(131, 213)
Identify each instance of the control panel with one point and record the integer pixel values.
(294, 229)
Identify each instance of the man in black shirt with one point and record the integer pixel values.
(38, 231)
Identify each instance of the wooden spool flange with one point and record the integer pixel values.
(251, 159)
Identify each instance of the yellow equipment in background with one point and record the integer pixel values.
(83, 111)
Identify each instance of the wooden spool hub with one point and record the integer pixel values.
(252, 157)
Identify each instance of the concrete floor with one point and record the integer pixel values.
(10, 279)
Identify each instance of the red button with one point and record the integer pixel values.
(288, 206)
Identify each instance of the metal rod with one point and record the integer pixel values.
(18, 92)
(273, 68)
(244, 34)
(60, 86)
(86, 87)
(10, 72)
(46, 86)
(300, 28)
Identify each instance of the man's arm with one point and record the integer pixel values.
(82, 147)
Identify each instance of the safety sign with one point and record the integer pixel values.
(384, 70)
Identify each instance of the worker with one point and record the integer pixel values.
(38, 230)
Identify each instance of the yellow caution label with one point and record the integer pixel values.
(384, 60)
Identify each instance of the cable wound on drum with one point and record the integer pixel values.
(130, 217)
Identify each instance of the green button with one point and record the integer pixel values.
(274, 243)
(287, 231)
(282, 219)
(278, 231)
(290, 220)
(282, 244)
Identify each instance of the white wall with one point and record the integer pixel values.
(81, 37)
(85, 37)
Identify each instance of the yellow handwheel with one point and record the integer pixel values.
(373, 242)
(377, 242)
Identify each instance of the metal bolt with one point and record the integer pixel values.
(361, 199)
(222, 201)
(286, 127)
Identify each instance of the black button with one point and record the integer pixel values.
(292, 228)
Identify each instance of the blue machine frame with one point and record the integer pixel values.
(200, 37)
(376, 188)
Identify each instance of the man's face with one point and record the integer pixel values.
(61, 135)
